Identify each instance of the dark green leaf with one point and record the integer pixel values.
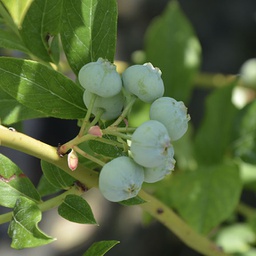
(10, 41)
(41, 88)
(213, 138)
(11, 111)
(57, 177)
(45, 188)
(204, 197)
(245, 133)
(106, 149)
(76, 209)
(41, 23)
(23, 228)
(100, 248)
(172, 45)
(14, 183)
(88, 31)
(133, 201)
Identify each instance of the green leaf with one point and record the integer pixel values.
(106, 149)
(88, 31)
(204, 197)
(41, 23)
(100, 248)
(171, 45)
(245, 134)
(9, 40)
(11, 111)
(76, 209)
(213, 138)
(41, 88)
(14, 183)
(57, 177)
(23, 228)
(133, 201)
(17, 9)
(45, 188)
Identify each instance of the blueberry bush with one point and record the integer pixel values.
(136, 142)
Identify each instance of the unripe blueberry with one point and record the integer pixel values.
(171, 113)
(144, 81)
(152, 175)
(101, 78)
(120, 179)
(112, 106)
(151, 145)
(248, 73)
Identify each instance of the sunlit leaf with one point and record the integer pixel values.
(17, 9)
(23, 228)
(88, 31)
(41, 23)
(41, 88)
(14, 183)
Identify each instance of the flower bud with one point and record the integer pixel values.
(72, 160)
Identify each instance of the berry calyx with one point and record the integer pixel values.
(120, 179)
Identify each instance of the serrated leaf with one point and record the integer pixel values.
(17, 9)
(213, 138)
(14, 183)
(76, 209)
(41, 88)
(245, 134)
(41, 23)
(133, 201)
(100, 248)
(88, 31)
(171, 45)
(9, 40)
(57, 177)
(11, 111)
(204, 197)
(23, 228)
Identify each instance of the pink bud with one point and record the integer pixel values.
(96, 131)
(72, 160)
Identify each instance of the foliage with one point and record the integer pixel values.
(213, 161)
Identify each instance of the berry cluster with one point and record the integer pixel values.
(150, 155)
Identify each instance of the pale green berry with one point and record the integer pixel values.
(121, 179)
(151, 145)
(112, 106)
(248, 73)
(101, 78)
(155, 174)
(171, 113)
(144, 81)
